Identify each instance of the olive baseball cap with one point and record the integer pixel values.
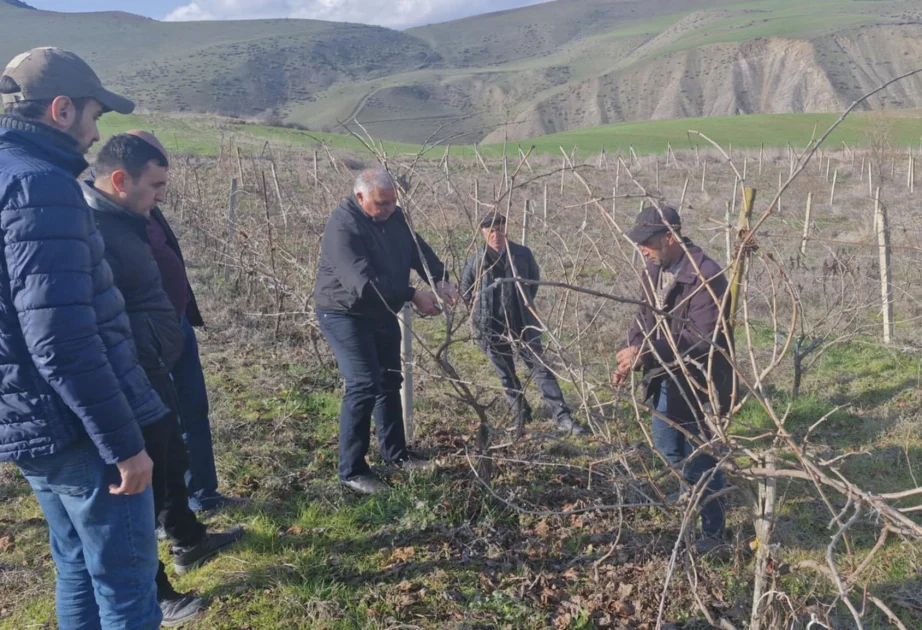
(46, 73)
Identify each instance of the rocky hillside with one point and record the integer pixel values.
(514, 74)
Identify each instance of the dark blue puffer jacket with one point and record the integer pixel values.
(68, 365)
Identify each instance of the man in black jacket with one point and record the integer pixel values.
(131, 179)
(188, 377)
(504, 322)
(366, 254)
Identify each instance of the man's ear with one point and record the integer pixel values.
(360, 196)
(63, 113)
(119, 181)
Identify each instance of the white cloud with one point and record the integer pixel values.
(392, 13)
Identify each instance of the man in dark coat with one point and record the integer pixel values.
(366, 254)
(131, 179)
(73, 398)
(504, 322)
(683, 282)
(188, 377)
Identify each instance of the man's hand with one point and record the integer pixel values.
(448, 292)
(136, 474)
(426, 302)
(627, 360)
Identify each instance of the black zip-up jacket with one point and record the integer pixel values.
(154, 321)
(365, 264)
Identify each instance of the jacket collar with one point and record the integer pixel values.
(513, 249)
(351, 205)
(54, 146)
(99, 202)
(686, 273)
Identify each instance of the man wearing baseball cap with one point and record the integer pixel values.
(681, 347)
(504, 322)
(73, 397)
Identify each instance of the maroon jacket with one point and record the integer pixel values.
(697, 315)
(191, 312)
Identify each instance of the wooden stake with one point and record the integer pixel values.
(761, 155)
(832, 193)
(886, 283)
(545, 202)
(704, 172)
(316, 176)
(525, 214)
(231, 231)
(682, 200)
(278, 193)
(405, 318)
(738, 269)
(477, 200)
(803, 242)
(779, 192)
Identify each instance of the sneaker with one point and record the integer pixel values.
(187, 558)
(365, 484)
(178, 609)
(566, 424)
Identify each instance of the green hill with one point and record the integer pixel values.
(547, 68)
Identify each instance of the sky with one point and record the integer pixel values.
(391, 13)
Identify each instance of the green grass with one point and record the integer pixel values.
(202, 135)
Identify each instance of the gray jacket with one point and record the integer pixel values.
(478, 292)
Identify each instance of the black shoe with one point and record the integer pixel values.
(217, 502)
(365, 484)
(413, 461)
(187, 558)
(566, 424)
(178, 609)
(714, 546)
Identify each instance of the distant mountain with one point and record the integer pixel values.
(521, 73)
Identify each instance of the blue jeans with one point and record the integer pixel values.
(189, 380)
(676, 449)
(368, 354)
(103, 545)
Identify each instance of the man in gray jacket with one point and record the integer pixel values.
(504, 322)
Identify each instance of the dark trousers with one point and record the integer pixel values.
(368, 354)
(502, 356)
(192, 400)
(165, 447)
(676, 448)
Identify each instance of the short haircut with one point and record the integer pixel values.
(373, 178)
(130, 154)
(32, 110)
